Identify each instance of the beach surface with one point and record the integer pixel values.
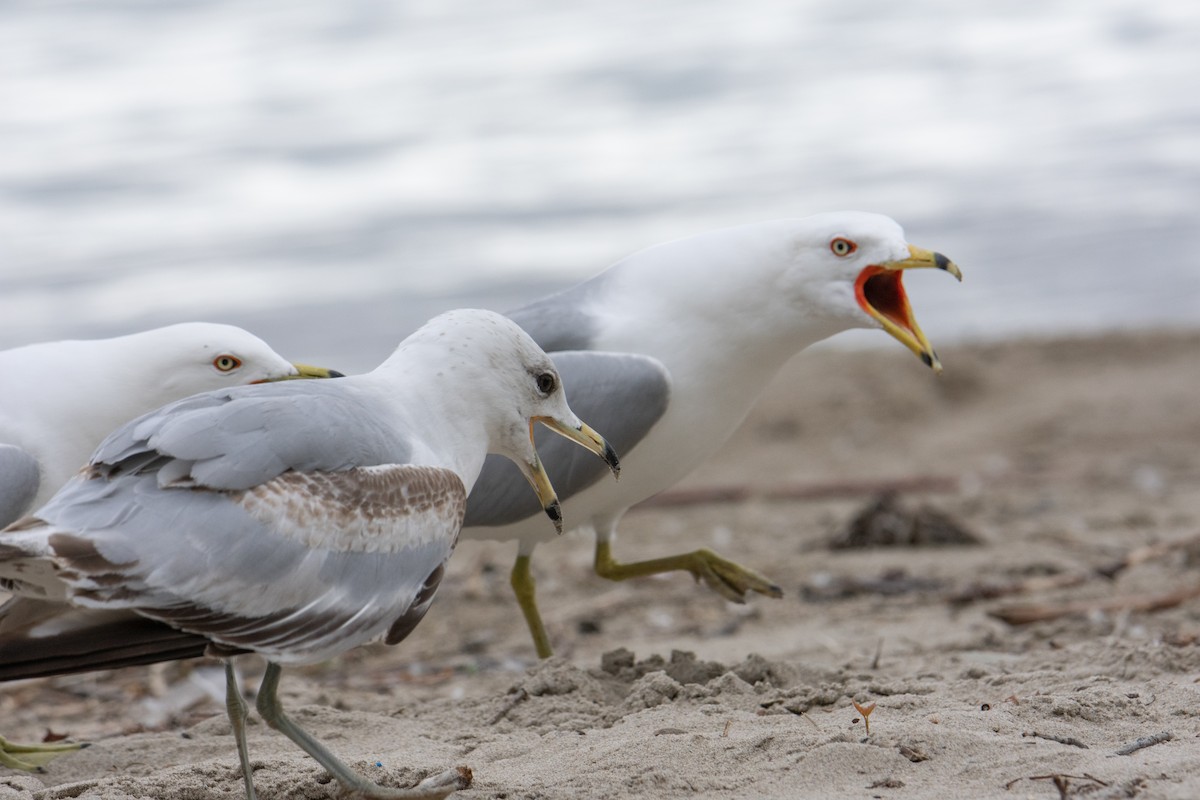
(1023, 615)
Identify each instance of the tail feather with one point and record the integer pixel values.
(111, 644)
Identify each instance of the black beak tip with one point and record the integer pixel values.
(940, 261)
(333, 373)
(927, 359)
(610, 458)
(554, 512)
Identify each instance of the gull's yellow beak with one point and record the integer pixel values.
(304, 372)
(880, 293)
(536, 474)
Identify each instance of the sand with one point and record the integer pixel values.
(1062, 457)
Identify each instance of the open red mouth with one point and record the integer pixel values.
(881, 291)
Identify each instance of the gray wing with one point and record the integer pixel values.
(300, 568)
(238, 438)
(19, 480)
(621, 395)
(561, 321)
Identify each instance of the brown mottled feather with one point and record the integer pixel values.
(355, 509)
(384, 512)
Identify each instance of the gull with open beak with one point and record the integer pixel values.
(535, 472)
(668, 350)
(879, 290)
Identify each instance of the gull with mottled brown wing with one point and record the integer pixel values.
(293, 520)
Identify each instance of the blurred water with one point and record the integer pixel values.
(330, 174)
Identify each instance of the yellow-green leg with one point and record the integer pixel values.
(723, 576)
(434, 787)
(235, 707)
(526, 591)
(33, 756)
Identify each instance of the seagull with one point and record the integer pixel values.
(670, 348)
(60, 399)
(295, 520)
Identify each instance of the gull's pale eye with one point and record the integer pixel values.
(226, 363)
(842, 246)
(546, 383)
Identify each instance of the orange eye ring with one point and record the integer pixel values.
(226, 363)
(842, 246)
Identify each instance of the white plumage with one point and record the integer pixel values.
(670, 348)
(294, 520)
(59, 399)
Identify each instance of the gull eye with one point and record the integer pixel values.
(226, 363)
(546, 383)
(842, 247)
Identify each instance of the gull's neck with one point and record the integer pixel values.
(713, 310)
(441, 396)
(713, 303)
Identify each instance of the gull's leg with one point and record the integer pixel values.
(723, 576)
(235, 707)
(526, 591)
(33, 756)
(432, 788)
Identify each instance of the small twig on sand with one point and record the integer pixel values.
(878, 653)
(741, 493)
(1060, 739)
(975, 592)
(1144, 742)
(1149, 552)
(1041, 612)
(1061, 782)
(517, 697)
